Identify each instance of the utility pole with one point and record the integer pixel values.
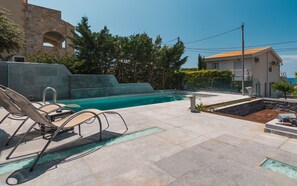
(178, 39)
(242, 41)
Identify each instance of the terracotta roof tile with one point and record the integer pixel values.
(236, 53)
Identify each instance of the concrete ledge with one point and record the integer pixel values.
(284, 129)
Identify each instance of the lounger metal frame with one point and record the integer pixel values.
(47, 122)
(17, 113)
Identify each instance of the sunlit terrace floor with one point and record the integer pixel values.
(192, 149)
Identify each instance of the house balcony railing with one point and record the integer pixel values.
(238, 74)
(283, 77)
(283, 74)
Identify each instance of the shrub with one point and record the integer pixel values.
(208, 79)
(283, 87)
(71, 62)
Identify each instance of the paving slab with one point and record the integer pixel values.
(194, 149)
(137, 173)
(195, 141)
(283, 156)
(257, 148)
(177, 135)
(185, 161)
(232, 140)
(290, 146)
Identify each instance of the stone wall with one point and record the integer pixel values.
(41, 21)
(255, 106)
(37, 22)
(283, 105)
(243, 109)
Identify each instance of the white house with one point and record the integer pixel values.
(261, 66)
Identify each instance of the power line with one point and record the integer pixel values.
(171, 40)
(210, 37)
(294, 48)
(209, 52)
(216, 51)
(279, 43)
(208, 49)
(224, 50)
(249, 46)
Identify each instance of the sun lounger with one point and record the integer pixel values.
(15, 113)
(76, 119)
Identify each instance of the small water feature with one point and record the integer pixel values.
(280, 168)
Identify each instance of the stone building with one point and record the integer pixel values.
(44, 29)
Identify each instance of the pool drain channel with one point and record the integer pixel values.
(280, 168)
(63, 154)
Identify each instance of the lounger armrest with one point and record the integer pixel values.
(42, 106)
(3, 87)
(73, 116)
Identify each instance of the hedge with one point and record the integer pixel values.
(208, 79)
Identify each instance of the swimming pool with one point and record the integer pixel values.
(114, 102)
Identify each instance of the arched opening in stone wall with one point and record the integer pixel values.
(54, 40)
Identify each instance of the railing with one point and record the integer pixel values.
(283, 74)
(238, 74)
(54, 94)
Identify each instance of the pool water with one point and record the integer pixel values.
(114, 102)
(281, 168)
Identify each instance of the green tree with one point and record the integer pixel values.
(201, 63)
(122, 57)
(170, 61)
(11, 34)
(95, 49)
(283, 87)
(141, 53)
(135, 58)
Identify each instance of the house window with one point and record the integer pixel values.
(215, 66)
(18, 58)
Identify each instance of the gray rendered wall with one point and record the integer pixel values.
(87, 86)
(3, 73)
(30, 79)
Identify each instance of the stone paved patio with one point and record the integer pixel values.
(193, 149)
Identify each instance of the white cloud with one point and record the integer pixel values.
(289, 58)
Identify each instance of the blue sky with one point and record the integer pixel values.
(266, 21)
